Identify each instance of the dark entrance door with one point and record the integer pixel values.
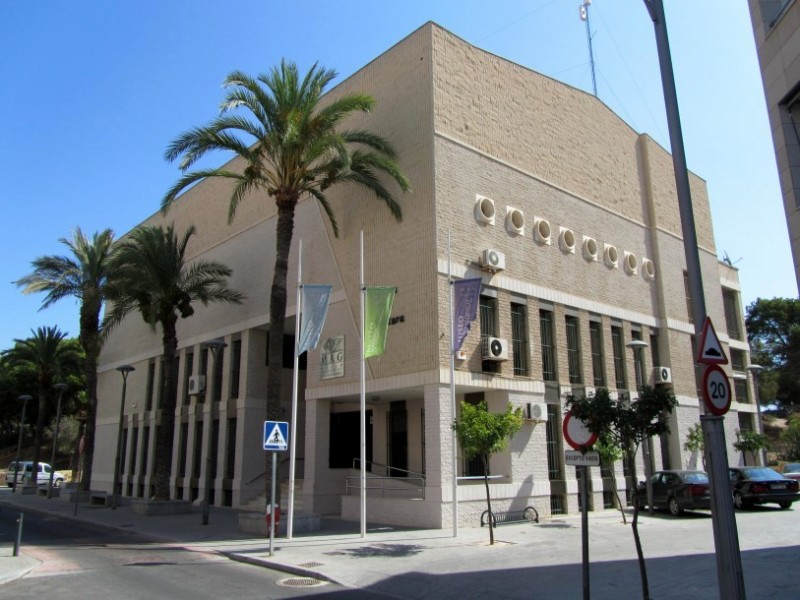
(345, 435)
(397, 432)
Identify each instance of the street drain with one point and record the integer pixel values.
(310, 565)
(301, 582)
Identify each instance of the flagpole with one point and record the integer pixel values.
(293, 434)
(452, 388)
(363, 424)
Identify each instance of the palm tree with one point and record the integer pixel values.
(47, 355)
(153, 277)
(292, 147)
(83, 275)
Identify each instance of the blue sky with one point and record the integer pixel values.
(94, 91)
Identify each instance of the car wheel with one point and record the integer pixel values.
(739, 501)
(58, 482)
(785, 505)
(675, 509)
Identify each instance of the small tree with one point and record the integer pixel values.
(610, 452)
(695, 444)
(791, 437)
(628, 424)
(481, 434)
(750, 441)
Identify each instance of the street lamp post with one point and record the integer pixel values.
(60, 387)
(755, 371)
(638, 347)
(124, 369)
(24, 398)
(214, 346)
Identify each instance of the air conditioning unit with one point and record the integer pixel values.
(495, 349)
(535, 411)
(493, 260)
(662, 374)
(197, 384)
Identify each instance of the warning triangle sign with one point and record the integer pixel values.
(710, 351)
(275, 439)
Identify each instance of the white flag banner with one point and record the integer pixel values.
(316, 299)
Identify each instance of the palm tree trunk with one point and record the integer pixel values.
(277, 317)
(90, 341)
(485, 460)
(166, 436)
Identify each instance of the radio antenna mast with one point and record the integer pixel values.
(584, 12)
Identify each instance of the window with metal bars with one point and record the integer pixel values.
(548, 345)
(473, 466)
(236, 367)
(740, 390)
(489, 328)
(151, 377)
(134, 450)
(145, 450)
(183, 445)
(519, 339)
(573, 350)
(188, 365)
(619, 357)
(730, 302)
(655, 356)
(738, 360)
(230, 455)
(198, 449)
(553, 436)
(598, 362)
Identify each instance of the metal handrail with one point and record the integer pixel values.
(355, 483)
(260, 475)
(389, 469)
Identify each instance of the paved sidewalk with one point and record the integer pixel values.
(527, 560)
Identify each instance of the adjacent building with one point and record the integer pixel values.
(776, 26)
(568, 216)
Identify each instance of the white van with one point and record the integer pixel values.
(42, 478)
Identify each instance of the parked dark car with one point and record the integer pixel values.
(762, 485)
(676, 491)
(790, 470)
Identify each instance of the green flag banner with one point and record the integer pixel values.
(377, 310)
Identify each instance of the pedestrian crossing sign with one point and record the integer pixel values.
(276, 436)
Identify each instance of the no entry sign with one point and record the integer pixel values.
(576, 433)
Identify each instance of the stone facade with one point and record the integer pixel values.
(776, 26)
(466, 124)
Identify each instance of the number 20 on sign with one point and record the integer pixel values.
(716, 390)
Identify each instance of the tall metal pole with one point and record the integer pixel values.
(214, 346)
(60, 387)
(726, 538)
(584, 12)
(363, 403)
(755, 370)
(24, 398)
(454, 489)
(295, 369)
(124, 369)
(584, 471)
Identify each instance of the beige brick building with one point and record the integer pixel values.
(776, 26)
(581, 209)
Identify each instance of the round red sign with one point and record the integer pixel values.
(716, 390)
(576, 433)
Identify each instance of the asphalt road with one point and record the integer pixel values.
(88, 563)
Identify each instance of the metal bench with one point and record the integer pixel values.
(510, 516)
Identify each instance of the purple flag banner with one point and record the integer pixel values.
(466, 294)
(315, 308)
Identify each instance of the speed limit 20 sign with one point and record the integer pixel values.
(716, 390)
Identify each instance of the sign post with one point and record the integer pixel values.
(580, 438)
(276, 439)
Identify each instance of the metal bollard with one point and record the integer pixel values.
(19, 534)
